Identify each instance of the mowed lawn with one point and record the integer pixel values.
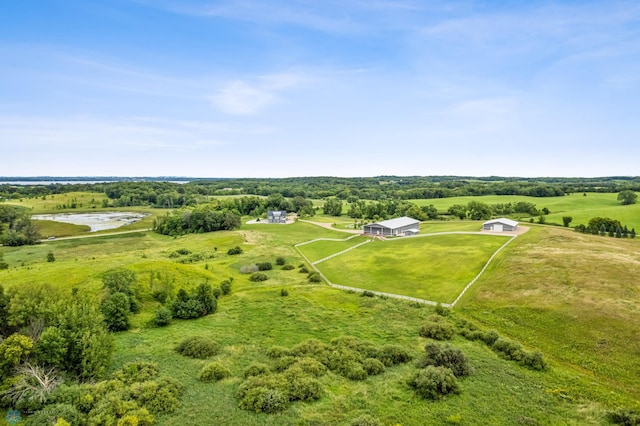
(320, 249)
(435, 267)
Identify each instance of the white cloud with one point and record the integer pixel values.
(246, 98)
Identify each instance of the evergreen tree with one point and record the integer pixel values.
(633, 232)
(618, 232)
(603, 230)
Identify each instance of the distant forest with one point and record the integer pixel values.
(162, 193)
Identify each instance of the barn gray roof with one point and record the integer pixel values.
(397, 222)
(502, 220)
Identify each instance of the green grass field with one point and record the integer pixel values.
(572, 296)
(579, 207)
(320, 249)
(85, 201)
(434, 268)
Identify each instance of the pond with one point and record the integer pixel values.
(96, 221)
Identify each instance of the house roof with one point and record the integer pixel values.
(502, 220)
(397, 222)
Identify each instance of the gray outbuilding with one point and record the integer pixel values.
(500, 225)
(276, 216)
(401, 226)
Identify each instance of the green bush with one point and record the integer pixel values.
(264, 400)
(264, 266)
(353, 370)
(235, 250)
(367, 293)
(277, 352)
(225, 287)
(198, 347)
(284, 292)
(50, 414)
(284, 363)
(116, 309)
(188, 309)
(314, 277)
(51, 257)
(442, 311)
(158, 396)
(535, 361)
(434, 382)
(310, 366)
(258, 276)
(394, 354)
(256, 369)
(303, 270)
(162, 317)
(438, 330)
(213, 372)
(453, 359)
(280, 261)
(373, 367)
(301, 387)
(137, 371)
(217, 292)
(51, 348)
(288, 267)
(624, 416)
(509, 349)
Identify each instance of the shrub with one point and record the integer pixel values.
(303, 270)
(453, 359)
(301, 387)
(364, 420)
(51, 348)
(277, 352)
(183, 251)
(116, 310)
(248, 269)
(394, 354)
(438, 330)
(198, 347)
(373, 367)
(264, 400)
(138, 371)
(217, 292)
(256, 369)
(158, 396)
(310, 366)
(284, 363)
(50, 414)
(188, 309)
(51, 257)
(442, 311)
(162, 317)
(225, 287)
(353, 370)
(434, 382)
(264, 266)
(284, 292)
(258, 276)
(535, 361)
(314, 277)
(280, 261)
(624, 416)
(509, 349)
(367, 293)
(311, 347)
(213, 372)
(288, 267)
(235, 250)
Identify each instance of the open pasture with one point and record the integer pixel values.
(317, 250)
(55, 203)
(435, 268)
(581, 208)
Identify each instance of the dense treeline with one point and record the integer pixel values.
(171, 194)
(204, 218)
(16, 228)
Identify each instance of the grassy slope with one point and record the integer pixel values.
(574, 297)
(48, 205)
(434, 267)
(255, 317)
(320, 249)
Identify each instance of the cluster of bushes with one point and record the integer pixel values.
(4, 265)
(199, 303)
(234, 251)
(507, 348)
(188, 257)
(293, 377)
(45, 327)
(16, 228)
(258, 277)
(202, 218)
(624, 416)
(439, 370)
(132, 396)
(606, 226)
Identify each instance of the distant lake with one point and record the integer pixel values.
(96, 221)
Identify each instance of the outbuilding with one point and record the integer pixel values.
(276, 216)
(393, 227)
(500, 225)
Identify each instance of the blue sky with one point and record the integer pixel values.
(275, 88)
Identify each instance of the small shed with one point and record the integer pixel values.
(393, 227)
(500, 225)
(276, 216)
